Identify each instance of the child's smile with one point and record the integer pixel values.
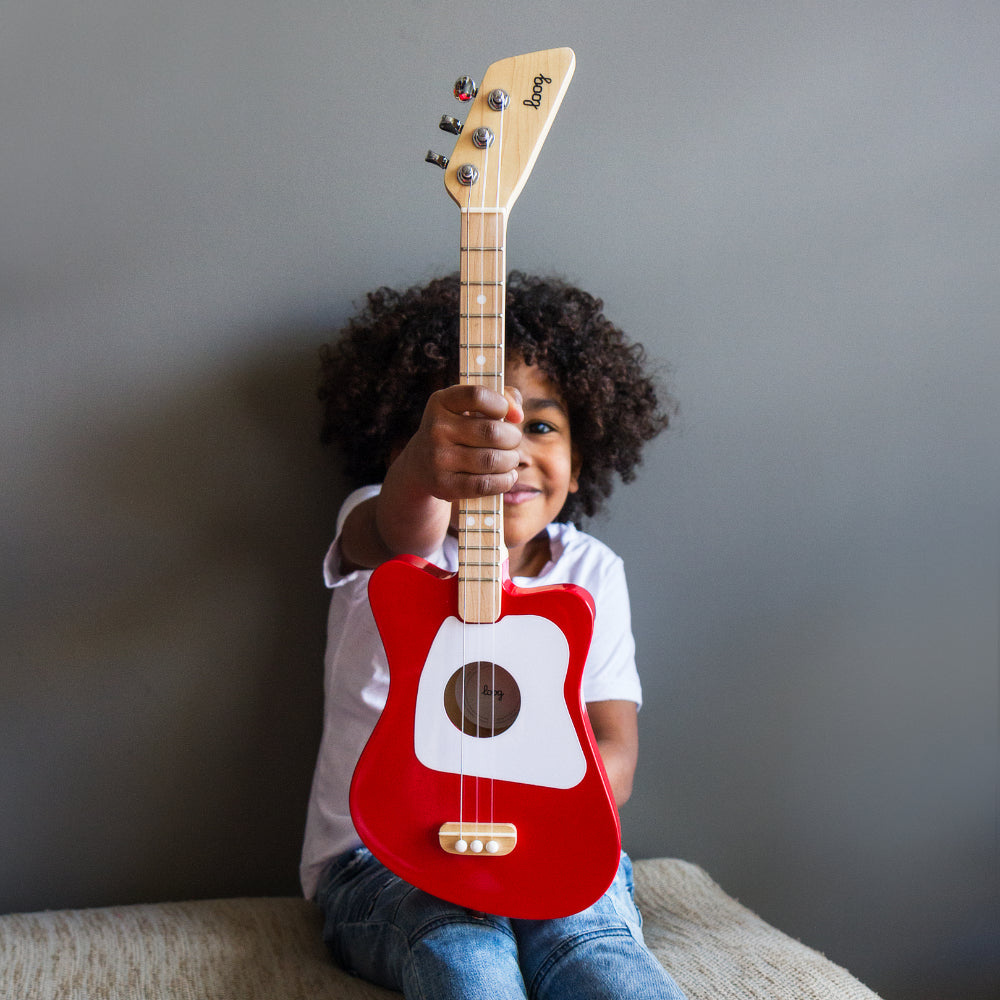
(518, 495)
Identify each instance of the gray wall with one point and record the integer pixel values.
(793, 204)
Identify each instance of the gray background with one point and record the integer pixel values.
(793, 204)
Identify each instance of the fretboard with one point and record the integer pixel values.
(481, 551)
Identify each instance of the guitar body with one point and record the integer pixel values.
(518, 749)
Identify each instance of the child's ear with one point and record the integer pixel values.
(574, 471)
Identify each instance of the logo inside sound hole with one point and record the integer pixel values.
(482, 699)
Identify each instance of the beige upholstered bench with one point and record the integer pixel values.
(270, 949)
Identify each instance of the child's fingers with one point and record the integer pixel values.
(457, 470)
(463, 485)
(515, 413)
(476, 417)
(468, 442)
(482, 400)
(474, 399)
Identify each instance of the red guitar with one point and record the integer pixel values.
(482, 783)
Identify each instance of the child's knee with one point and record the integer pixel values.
(459, 954)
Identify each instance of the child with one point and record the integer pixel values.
(577, 410)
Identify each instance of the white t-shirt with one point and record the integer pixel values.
(356, 677)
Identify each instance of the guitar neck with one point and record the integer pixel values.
(481, 549)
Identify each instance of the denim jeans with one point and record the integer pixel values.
(381, 928)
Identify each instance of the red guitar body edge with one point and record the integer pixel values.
(568, 839)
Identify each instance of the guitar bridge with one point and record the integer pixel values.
(488, 840)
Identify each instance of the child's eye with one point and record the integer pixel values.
(538, 427)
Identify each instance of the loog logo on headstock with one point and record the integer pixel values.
(535, 101)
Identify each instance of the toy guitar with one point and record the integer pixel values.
(481, 782)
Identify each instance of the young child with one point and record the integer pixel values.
(577, 410)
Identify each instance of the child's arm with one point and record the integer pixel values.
(616, 728)
(466, 446)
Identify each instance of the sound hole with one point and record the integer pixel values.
(482, 699)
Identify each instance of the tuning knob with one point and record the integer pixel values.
(467, 174)
(498, 99)
(482, 138)
(465, 89)
(437, 159)
(449, 124)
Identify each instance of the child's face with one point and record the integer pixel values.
(546, 474)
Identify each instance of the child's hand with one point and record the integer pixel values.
(466, 445)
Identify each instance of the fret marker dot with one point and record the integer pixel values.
(480, 360)
(470, 521)
(481, 299)
(489, 522)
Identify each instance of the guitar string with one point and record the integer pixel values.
(476, 590)
(463, 581)
(487, 507)
(471, 595)
(482, 502)
(499, 311)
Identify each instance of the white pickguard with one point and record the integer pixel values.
(541, 747)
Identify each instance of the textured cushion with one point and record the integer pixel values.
(262, 949)
(717, 949)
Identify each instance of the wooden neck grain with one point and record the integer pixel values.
(481, 550)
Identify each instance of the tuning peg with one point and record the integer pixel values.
(449, 124)
(498, 99)
(467, 174)
(465, 89)
(437, 159)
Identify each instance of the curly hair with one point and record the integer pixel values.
(378, 373)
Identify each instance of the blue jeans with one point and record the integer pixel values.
(381, 928)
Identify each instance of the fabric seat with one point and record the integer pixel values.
(266, 948)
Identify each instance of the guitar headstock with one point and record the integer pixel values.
(509, 118)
